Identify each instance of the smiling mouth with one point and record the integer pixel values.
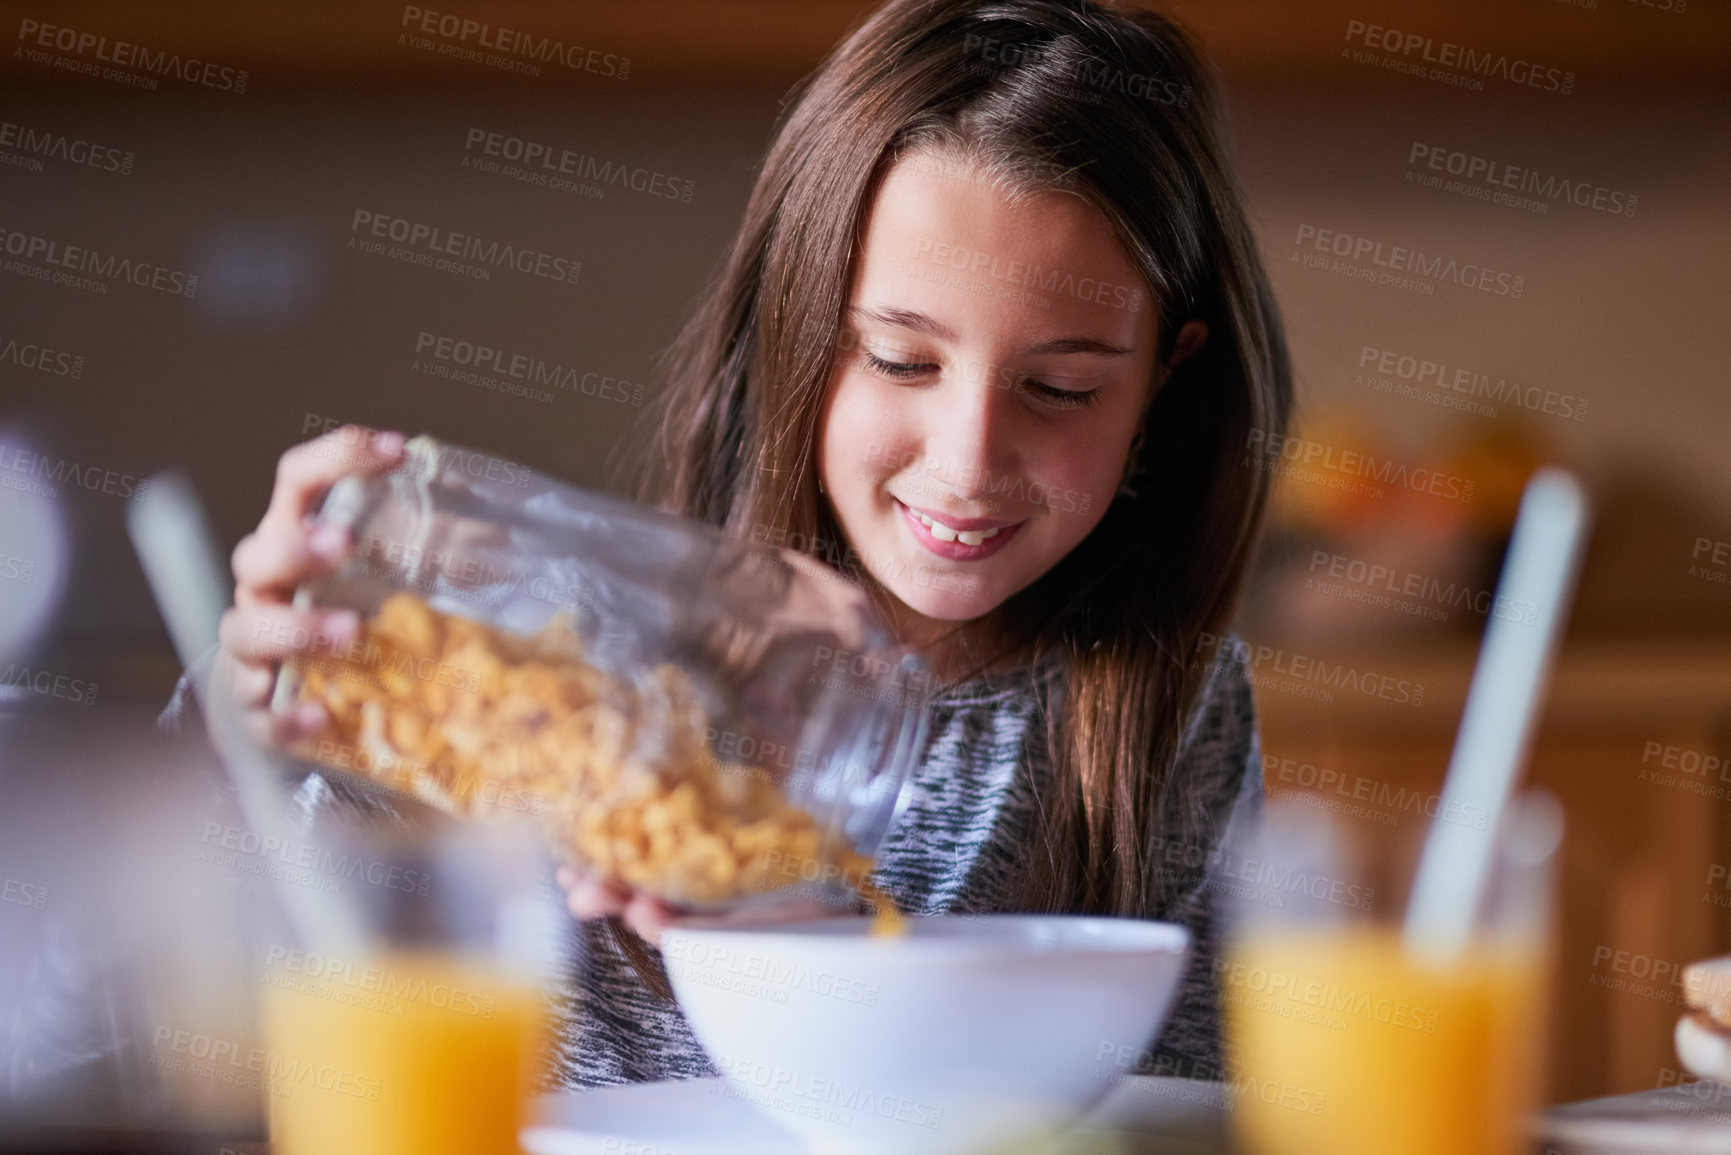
(948, 533)
(961, 539)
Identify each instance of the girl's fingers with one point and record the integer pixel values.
(309, 469)
(791, 910)
(277, 557)
(270, 729)
(589, 896)
(649, 917)
(270, 633)
(251, 684)
(283, 551)
(243, 692)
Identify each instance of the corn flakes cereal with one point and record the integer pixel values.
(630, 785)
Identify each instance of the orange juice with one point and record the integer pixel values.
(407, 1053)
(1342, 1045)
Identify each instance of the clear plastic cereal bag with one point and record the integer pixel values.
(704, 719)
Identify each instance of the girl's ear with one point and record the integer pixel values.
(1190, 339)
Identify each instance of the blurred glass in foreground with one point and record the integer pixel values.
(123, 940)
(426, 1042)
(34, 554)
(1344, 1044)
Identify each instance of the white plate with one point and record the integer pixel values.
(705, 1117)
(1692, 1119)
(680, 1117)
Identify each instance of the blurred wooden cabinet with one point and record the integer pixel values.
(1634, 743)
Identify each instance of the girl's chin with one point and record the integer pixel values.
(949, 604)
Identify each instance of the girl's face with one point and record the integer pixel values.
(980, 413)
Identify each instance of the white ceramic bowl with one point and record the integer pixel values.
(967, 1032)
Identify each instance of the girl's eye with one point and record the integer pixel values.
(897, 370)
(1061, 398)
(1048, 394)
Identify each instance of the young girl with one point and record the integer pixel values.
(994, 337)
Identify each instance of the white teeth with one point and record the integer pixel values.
(944, 533)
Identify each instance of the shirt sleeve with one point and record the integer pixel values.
(1215, 793)
(182, 708)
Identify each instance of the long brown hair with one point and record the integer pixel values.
(1117, 107)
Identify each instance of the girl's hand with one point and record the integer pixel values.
(590, 896)
(262, 628)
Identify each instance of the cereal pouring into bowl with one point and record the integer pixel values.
(478, 721)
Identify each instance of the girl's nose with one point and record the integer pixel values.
(966, 429)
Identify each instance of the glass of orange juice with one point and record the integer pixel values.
(424, 1041)
(1341, 1043)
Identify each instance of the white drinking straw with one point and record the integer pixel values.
(185, 573)
(173, 540)
(1502, 707)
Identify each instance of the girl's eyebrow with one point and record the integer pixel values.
(1080, 345)
(906, 319)
(925, 323)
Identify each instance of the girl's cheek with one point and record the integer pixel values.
(836, 436)
(864, 441)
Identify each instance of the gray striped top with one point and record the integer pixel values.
(958, 847)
